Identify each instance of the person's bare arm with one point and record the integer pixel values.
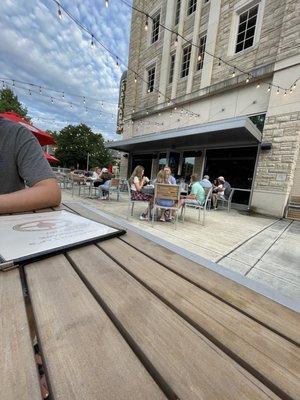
(45, 193)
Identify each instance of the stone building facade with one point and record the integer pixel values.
(192, 89)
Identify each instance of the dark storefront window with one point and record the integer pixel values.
(145, 160)
(162, 161)
(237, 167)
(259, 120)
(174, 159)
(188, 163)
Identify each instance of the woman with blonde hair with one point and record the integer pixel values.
(137, 181)
(163, 177)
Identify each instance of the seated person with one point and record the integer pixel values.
(27, 181)
(197, 195)
(162, 177)
(137, 181)
(104, 180)
(96, 176)
(171, 179)
(205, 182)
(221, 192)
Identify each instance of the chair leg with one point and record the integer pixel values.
(153, 214)
(203, 218)
(132, 205)
(176, 219)
(199, 215)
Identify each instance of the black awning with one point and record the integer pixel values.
(238, 131)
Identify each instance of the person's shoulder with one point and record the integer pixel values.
(14, 130)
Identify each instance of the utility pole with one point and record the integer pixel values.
(87, 162)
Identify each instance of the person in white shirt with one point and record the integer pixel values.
(137, 181)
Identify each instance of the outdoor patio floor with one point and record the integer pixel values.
(262, 248)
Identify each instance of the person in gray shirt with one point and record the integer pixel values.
(27, 181)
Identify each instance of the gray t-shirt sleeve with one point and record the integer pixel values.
(32, 165)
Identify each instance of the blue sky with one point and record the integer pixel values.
(37, 47)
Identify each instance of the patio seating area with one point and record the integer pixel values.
(223, 239)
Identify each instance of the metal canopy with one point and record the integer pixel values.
(238, 131)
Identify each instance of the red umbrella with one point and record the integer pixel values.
(43, 137)
(51, 158)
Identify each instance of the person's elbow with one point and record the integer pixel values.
(50, 193)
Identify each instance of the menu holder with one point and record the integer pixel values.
(29, 237)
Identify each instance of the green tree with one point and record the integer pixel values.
(74, 143)
(9, 102)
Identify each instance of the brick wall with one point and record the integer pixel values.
(275, 167)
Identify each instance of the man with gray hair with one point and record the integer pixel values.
(222, 191)
(205, 182)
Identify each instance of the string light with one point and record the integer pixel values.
(219, 63)
(13, 84)
(146, 23)
(269, 88)
(135, 78)
(106, 3)
(285, 93)
(92, 41)
(29, 92)
(258, 85)
(176, 41)
(199, 57)
(233, 73)
(291, 90)
(40, 90)
(63, 95)
(117, 63)
(277, 92)
(248, 79)
(59, 12)
(3, 85)
(294, 85)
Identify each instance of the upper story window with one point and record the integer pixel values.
(201, 52)
(177, 12)
(172, 64)
(246, 28)
(151, 79)
(155, 28)
(192, 5)
(186, 58)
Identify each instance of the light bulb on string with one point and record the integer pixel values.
(277, 92)
(106, 3)
(135, 78)
(291, 90)
(294, 85)
(52, 100)
(199, 57)
(29, 92)
(146, 23)
(269, 88)
(83, 100)
(219, 63)
(40, 90)
(71, 106)
(59, 12)
(248, 79)
(117, 64)
(233, 73)
(258, 85)
(285, 93)
(3, 85)
(13, 84)
(63, 95)
(176, 41)
(92, 41)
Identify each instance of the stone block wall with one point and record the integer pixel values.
(275, 169)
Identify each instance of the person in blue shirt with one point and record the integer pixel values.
(170, 178)
(205, 182)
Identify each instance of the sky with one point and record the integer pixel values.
(39, 48)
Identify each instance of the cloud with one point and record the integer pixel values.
(36, 46)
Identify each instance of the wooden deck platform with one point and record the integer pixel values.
(129, 319)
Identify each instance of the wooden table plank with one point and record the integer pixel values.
(18, 377)
(277, 317)
(275, 360)
(191, 365)
(85, 356)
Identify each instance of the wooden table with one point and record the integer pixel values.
(128, 319)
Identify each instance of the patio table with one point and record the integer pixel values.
(128, 319)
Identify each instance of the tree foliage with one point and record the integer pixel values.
(9, 102)
(74, 143)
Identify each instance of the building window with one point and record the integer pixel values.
(177, 11)
(172, 64)
(186, 57)
(155, 28)
(151, 79)
(246, 29)
(201, 52)
(191, 7)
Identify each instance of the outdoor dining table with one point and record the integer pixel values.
(126, 318)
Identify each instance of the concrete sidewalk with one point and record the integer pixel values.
(261, 248)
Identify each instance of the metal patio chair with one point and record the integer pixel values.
(166, 192)
(131, 202)
(200, 208)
